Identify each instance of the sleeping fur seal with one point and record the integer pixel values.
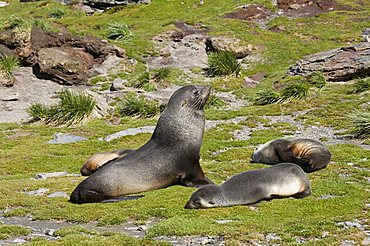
(279, 181)
(309, 154)
(97, 160)
(170, 157)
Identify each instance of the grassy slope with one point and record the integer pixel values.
(23, 156)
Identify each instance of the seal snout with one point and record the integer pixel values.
(193, 204)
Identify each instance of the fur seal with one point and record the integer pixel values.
(309, 154)
(278, 181)
(97, 160)
(170, 157)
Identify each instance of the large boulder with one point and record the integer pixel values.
(241, 50)
(64, 65)
(341, 64)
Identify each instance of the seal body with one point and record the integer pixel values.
(278, 181)
(309, 154)
(170, 157)
(97, 160)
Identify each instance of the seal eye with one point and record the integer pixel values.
(196, 93)
(212, 203)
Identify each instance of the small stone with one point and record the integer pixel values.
(348, 243)
(3, 4)
(50, 175)
(58, 194)
(272, 236)
(61, 138)
(325, 234)
(366, 241)
(142, 228)
(38, 192)
(350, 163)
(50, 232)
(326, 197)
(19, 240)
(224, 221)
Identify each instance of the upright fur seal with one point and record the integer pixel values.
(170, 157)
(97, 160)
(309, 154)
(278, 181)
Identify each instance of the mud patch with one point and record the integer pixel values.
(253, 12)
(308, 8)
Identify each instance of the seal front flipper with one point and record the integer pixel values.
(197, 183)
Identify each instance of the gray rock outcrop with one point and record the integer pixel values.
(341, 64)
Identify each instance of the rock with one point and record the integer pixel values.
(38, 192)
(214, 44)
(248, 82)
(6, 80)
(251, 12)
(118, 84)
(50, 175)
(366, 35)
(341, 64)
(58, 194)
(129, 132)
(326, 197)
(102, 107)
(60, 138)
(223, 221)
(348, 243)
(272, 236)
(19, 241)
(8, 95)
(366, 241)
(3, 4)
(64, 65)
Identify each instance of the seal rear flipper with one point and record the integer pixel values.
(122, 198)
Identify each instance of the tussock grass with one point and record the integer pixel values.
(72, 109)
(41, 23)
(361, 85)
(133, 105)
(143, 82)
(267, 96)
(316, 79)
(16, 22)
(57, 13)
(215, 102)
(161, 74)
(119, 31)
(223, 63)
(295, 91)
(8, 63)
(361, 121)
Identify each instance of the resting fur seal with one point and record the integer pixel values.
(279, 181)
(170, 157)
(97, 160)
(309, 154)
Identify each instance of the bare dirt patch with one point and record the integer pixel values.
(253, 12)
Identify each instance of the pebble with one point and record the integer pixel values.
(38, 192)
(326, 197)
(19, 240)
(50, 175)
(272, 236)
(61, 138)
(129, 132)
(58, 194)
(223, 221)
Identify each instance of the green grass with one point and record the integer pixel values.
(24, 151)
(361, 121)
(72, 109)
(9, 231)
(223, 63)
(267, 96)
(361, 85)
(57, 13)
(8, 63)
(133, 105)
(119, 31)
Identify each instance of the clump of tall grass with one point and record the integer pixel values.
(215, 102)
(57, 13)
(294, 91)
(361, 121)
(267, 96)
(16, 22)
(361, 85)
(72, 109)
(161, 74)
(119, 31)
(134, 105)
(40, 23)
(8, 63)
(223, 63)
(315, 79)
